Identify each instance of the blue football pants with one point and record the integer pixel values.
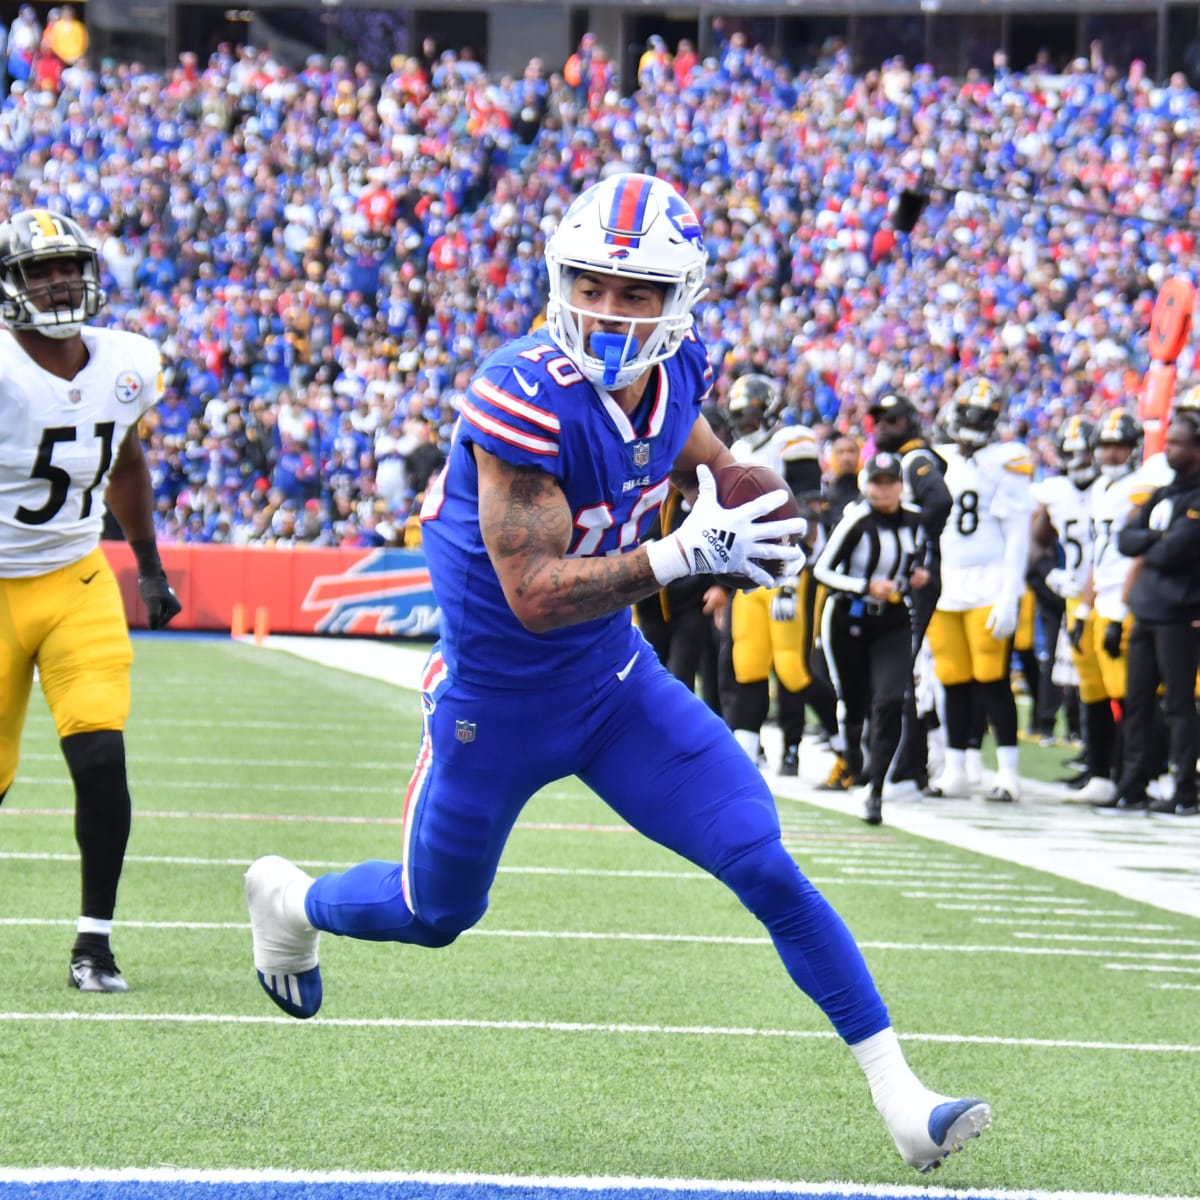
(657, 755)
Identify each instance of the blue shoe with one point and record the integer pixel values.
(298, 995)
(285, 944)
(948, 1127)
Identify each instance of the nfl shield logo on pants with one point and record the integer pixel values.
(464, 731)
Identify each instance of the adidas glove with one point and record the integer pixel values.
(1062, 583)
(726, 541)
(783, 604)
(1112, 639)
(1002, 620)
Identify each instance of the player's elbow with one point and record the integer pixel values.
(532, 608)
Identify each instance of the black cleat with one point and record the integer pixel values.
(1173, 808)
(1120, 804)
(95, 970)
(791, 760)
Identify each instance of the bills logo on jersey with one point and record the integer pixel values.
(641, 454)
(385, 593)
(128, 386)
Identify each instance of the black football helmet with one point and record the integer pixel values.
(896, 421)
(1076, 438)
(977, 405)
(56, 310)
(1119, 428)
(754, 402)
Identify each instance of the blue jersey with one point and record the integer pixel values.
(530, 406)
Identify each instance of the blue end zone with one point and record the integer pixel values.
(242, 1185)
(277, 1190)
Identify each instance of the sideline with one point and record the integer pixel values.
(1153, 861)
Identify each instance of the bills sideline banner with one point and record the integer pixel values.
(376, 593)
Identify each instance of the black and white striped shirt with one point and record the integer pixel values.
(866, 545)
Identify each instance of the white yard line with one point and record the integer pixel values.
(619, 1029)
(1152, 861)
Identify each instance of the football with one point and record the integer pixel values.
(740, 482)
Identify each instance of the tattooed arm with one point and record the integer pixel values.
(526, 526)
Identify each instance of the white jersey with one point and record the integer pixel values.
(990, 488)
(1070, 511)
(58, 441)
(783, 444)
(1113, 503)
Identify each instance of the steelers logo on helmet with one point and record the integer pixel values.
(977, 407)
(896, 421)
(1117, 442)
(1189, 400)
(754, 402)
(1074, 446)
(33, 295)
(635, 227)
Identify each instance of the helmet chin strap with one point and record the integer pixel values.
(611, 348)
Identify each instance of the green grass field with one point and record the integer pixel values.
(615, 1013)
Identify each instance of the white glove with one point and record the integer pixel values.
(726, 541)
(1002, 620)
(1063, 583)
(783, 604)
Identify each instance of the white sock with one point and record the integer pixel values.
(955, 760)
(291, 902)
(1008, 759)
(973, 759)
(93, 925)
(892, 1081)
(748, 740)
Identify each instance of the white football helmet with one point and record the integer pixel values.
(35, 236)
(639, 227)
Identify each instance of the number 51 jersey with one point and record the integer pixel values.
(58, 441)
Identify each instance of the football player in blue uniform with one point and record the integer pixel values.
(563, 451)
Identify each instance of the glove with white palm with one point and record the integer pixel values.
(1002, 620)
(727, 541)
(1063, 583)
(783, 604)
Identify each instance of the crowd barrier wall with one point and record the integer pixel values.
(381, 593)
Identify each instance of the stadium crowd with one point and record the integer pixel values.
(324, 255)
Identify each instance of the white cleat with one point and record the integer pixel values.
(1006, 789)
(952, 784)
(285, 951)
(1096, 791)
(941, 1131)
(901, 790)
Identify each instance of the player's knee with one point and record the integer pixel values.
(766, 880)
(792, 672)
(98, 750)
(442, 927)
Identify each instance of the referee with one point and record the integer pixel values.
(874, 556)
(898, 430)
(1164, 643)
